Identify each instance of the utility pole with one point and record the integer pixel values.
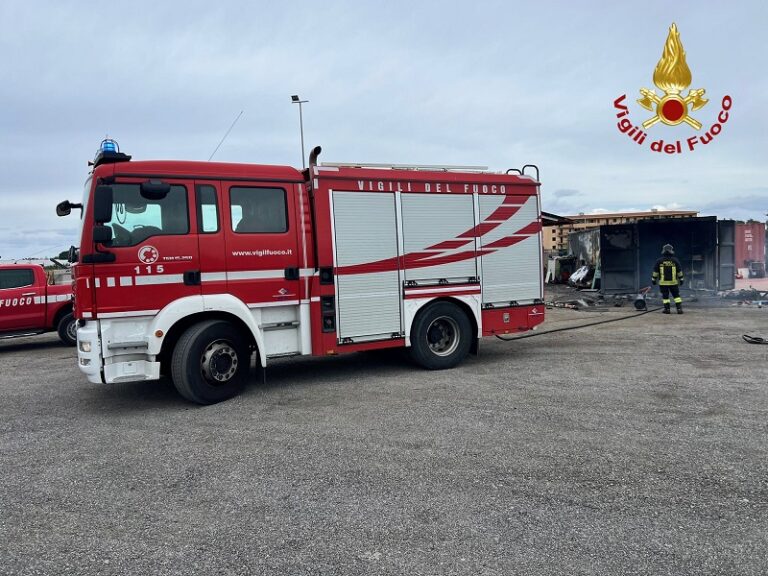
(296, 100)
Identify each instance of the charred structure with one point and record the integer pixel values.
(624, 253)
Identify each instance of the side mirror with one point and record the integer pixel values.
(102, 204)
(102, 234)
(64, 208)
(154, 189)
(73, 254)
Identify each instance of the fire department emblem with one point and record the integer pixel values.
(673, 76)
(148, 254)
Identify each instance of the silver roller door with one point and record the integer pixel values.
(430, 220)
(366, 233)
(511, 272)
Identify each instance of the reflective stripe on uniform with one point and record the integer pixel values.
(669, 273)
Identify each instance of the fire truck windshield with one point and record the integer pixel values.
(86, 196)
(136, 218)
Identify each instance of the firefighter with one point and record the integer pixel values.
(669, 273)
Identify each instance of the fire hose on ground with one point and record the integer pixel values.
(639, 305)
(579, 326)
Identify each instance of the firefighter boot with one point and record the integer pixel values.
(679, 308)
(666, 309)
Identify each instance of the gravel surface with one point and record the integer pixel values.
(635, 447)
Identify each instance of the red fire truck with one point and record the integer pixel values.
(30, 304)
(188, 268)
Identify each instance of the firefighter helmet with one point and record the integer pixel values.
(667, 249)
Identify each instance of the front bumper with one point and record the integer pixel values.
(89, 352)
(116, 363)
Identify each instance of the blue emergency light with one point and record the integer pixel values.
(109, 145)
(109, 152)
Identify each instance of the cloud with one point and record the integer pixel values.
(749, 207)
(669, 206)
(35, 242)
(753, 202)
(565, 192)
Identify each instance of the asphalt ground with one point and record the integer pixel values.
(633, 447)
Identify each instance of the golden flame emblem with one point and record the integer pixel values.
(672, 75)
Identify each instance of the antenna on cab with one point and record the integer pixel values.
(225, 136)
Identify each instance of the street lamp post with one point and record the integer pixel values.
(296, 100)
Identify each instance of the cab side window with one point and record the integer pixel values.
(258, 210)
(135, 218)
(16, 278)
(207, 209)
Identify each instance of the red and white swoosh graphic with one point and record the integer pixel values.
(436, 255)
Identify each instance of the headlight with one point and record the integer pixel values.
(85, 346)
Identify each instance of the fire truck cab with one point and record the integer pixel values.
(32, 302)
(188, 268)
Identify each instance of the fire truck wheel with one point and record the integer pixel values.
(67, 329)
(440, 336)
(210, 362)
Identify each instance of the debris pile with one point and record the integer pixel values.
(746, 297)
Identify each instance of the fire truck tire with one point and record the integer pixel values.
(210, 362)
(441, 336)
(67, 329)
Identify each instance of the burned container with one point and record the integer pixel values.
(704, 246)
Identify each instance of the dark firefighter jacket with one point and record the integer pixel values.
(667, 271)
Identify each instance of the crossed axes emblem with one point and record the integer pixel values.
(672, 109)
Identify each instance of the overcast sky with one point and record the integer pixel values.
(500, 84)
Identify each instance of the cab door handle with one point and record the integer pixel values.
(192, 278)
(291, 273)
